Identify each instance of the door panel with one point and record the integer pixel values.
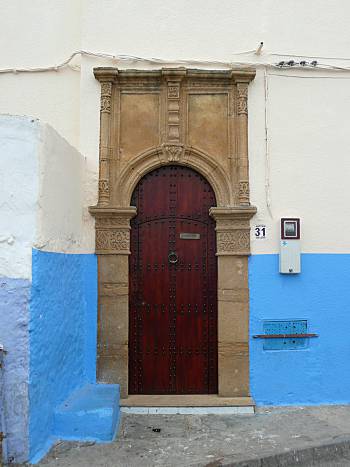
(173, 285)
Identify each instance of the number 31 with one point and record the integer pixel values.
(260, 231)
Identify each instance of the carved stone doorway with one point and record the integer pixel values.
(163, 117)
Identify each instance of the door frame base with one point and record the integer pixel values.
(188, 400)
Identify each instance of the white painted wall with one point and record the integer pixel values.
(41, 33)
(61, 216)
(42, 181)
(307, 115)
(19, 186)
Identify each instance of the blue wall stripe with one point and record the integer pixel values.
(320, 373)
(62, 335)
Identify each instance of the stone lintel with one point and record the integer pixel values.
(238, 75)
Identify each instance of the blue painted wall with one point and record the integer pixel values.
(14, 317)
(62, 336)
(319, 374)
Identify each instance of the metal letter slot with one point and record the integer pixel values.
(190, 236)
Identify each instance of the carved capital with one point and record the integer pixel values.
(113, 229)
(233, 229)
(242, 98)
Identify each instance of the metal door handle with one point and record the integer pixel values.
(172, 257)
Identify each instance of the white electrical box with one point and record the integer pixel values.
(290, 246)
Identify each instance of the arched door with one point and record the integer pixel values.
(173, 285)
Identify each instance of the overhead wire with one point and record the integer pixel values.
(153, 61)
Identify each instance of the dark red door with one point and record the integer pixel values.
(173, 285)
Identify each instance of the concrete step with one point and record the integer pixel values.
(90, 413)
(187, 405)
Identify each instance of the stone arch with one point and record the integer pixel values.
(168, 154)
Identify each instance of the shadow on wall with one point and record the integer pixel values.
(14, 312)
(63, 327)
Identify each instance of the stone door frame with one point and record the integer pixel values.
(232, 215)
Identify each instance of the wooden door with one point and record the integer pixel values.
(173, 285)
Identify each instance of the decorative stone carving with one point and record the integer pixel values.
(174, 78)
(113, 240)
(173, 91)
(106, 94)
(243, 193)
(113, 229)
(198, 160)
(106, 88)
(103, 190)
(242, 142)
(107, 78)
(173, 152)
(233, 230)
(242, 101)
(237, 241)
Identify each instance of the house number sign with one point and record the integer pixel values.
(260, 232)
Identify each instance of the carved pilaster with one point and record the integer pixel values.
(233, 230)
(243, 164)
(243, 192)
(242, 98)
(106, 77)
(173, 78)
(113, 230)
(106, 95)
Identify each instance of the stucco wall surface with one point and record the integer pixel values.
(42, 179)
(305, 165)
(61, 216)
(41, 34)
(308, 163)
(19, 186)
(14, 311)
(62, 337)
(318, 374)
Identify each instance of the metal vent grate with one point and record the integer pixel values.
(298, 326)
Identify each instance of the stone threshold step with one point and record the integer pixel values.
(210, 400)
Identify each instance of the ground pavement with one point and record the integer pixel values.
(272, 437)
